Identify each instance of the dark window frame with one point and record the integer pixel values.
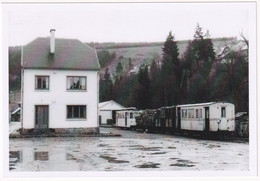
(39, 82)
(76, 112)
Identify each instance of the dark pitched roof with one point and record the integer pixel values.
(70, 54)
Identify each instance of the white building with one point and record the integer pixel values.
(107, 111)
(59, 86)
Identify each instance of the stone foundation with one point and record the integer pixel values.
(94, 130)
(63, 131)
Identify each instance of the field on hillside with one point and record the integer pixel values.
(145, 53)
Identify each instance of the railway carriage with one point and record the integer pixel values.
(207, 117)
(165, 119)
(127, 118)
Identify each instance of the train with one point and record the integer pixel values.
(127, 118)
(210, 118)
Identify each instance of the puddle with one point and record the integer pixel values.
(213, 146)
(183, 163)
(171, 147)
(112, 159)
(41, 155)
(158, 153)
(14, 157)
(103, 145)
(174, 158)
(148, 165)
(148, 148)
(70, 157)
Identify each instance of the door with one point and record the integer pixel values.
(178, 118)
(206, 118)
(126, 119)
(41, 116)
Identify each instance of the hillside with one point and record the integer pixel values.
(140, 53)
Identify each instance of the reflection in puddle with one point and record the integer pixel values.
(41, 155)
(14, 157)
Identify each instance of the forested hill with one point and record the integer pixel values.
(136, 54)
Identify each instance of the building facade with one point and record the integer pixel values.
(59, 86)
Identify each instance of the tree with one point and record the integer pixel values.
(106, 86)
(199, 58)
(142, 89)
(170, 72)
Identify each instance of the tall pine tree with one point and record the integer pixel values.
(170, 72)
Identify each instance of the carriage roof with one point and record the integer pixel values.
(202, 104)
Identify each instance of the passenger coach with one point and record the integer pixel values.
(127, 118)
(207, 117)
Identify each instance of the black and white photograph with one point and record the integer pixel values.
(129, 89)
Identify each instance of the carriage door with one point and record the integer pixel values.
(179, 118)
(206, 118)
(41, 116)
(125, 119)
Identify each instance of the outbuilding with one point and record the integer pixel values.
(107, 111)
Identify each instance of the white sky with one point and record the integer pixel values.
(123, 22)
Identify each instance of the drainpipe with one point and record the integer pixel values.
(22, 91)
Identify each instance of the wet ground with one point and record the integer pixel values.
(134, 151)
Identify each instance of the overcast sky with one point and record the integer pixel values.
(123, 22)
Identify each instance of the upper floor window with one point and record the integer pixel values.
(42, 82)
(76, 83)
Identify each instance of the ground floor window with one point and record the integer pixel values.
(76, 111)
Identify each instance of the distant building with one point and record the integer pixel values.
(59, 86)
(107, 111)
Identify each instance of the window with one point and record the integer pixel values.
(200, 113)
(184, 113)
(76, 111)
(131, 115)
(190, 113)
(42, 82)
(223, 112)
(76, 83)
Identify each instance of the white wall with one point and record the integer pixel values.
(57, 97)
(105, 115)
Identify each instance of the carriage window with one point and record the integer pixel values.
(190, 113)
(197, 113)
(223, 112)
(184, 113)
(200, 113)
(131, 115)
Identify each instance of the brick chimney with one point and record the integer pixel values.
(52, 41)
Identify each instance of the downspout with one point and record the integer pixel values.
(97, 91)
(22, 91)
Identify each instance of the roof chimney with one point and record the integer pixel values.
(52, 41)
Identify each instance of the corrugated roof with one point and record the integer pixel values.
(70, 54)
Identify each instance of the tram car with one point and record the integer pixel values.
(127, 118)
(211, 117)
